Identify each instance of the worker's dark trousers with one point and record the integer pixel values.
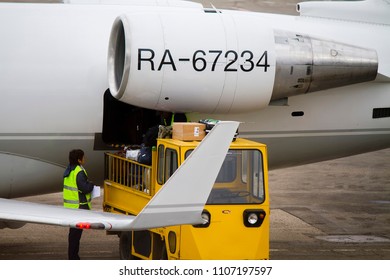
(74, 243)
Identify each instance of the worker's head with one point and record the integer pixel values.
(76, 157)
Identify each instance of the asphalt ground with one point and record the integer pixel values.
(338, 209)
(334, 210)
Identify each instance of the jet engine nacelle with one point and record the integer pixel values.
(222, 63)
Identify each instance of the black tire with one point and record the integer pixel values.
(125, 242)
(164, 254)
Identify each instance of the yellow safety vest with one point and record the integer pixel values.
(71, 192)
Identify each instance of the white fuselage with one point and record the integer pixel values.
(53, 74)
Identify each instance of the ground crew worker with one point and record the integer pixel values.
(77, 195)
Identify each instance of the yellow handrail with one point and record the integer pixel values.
(128, 173)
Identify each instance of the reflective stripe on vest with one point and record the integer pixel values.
(71, 192)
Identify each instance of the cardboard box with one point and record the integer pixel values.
(188, 131)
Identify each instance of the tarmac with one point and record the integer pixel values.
(334, 210)
(338, 210)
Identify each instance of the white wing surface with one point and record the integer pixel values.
(180, 201)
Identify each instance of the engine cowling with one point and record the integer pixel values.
(305, 64)
(222, 63)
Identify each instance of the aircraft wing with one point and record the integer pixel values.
(180, 201)
(28, 212)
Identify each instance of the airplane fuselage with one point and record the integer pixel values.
(53, 75)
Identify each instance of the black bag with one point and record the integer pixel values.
(145, 155)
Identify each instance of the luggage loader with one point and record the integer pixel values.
(236, 215)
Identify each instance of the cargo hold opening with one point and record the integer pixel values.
(125, 124)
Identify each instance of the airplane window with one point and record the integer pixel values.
(379, 113)
(297, 114)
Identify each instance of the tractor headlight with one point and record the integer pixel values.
(253, 217)
(206, 216)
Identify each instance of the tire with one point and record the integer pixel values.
(164, 254)
(125, 243)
